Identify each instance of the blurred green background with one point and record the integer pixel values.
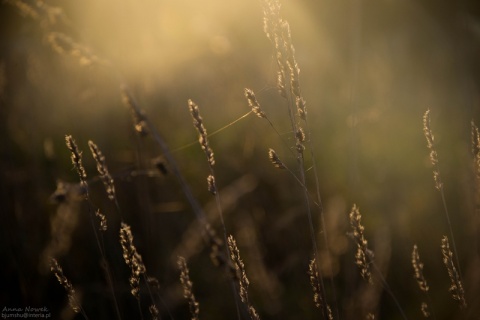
(369, 71)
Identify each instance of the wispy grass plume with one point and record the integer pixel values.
(188, 288)
(241, 276)
(76, 159)
(67, 285)
(476, 149)
(418, 270)
(427, 131)
(275, 160)
(363, 255)
(456, 287)
(132, 258)
(103, 170)
(203, 140)
(317, 290)
(421, 281)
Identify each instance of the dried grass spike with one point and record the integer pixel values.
(476, 149)
(240, 269)
(188, 288)
(301, 107)
(132, 258)
(139, 120)
(475, 138)
(418, 270)
(431, 146)
(66, 284)
(216, 252)
(281, 82)
(424, 309)
(275, 160)
(103, 220)
(253, 313)
(456, 287)
(198, 123)
(291, 61)
(271, 18)
(253, 103)
(103, 170)
(212, 188)
(76, 159)
(241, 277)
(300, 135)
(154, 312)
(315, 283)
(363, 254)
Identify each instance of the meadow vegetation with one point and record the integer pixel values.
(243, 160)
